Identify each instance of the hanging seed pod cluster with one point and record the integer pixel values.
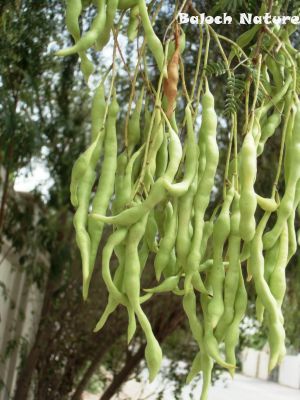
(154, 187)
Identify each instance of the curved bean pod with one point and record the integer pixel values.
(172, 267)
(80, 224)
(287, 203)
(162, 158)
(248, 200)
(134, 130)
(277, 279)
(267, 204)
(90, 37)
(98, 111)
(79, 169)
(157, 138)
(291, 236)
(151, 233)
(90, 156)
(167, 285)
(208, 131)
(111, 9)
(231, 282)
(115, 239)
(166, 244)
(270, 262)
(210, 344)
(268, 130)
(207, 232)
(185, 205)
(106, 182)
(153, 353)
(195, 368)
(133, 25)
(208, 363)
(232, 333)
(191, 164)
(221, 230)
(276, 334)
(278, 96)
(156, 195)
(154, 43)
(73, 11)
(124, 4)
(123, 187)
(189, 306)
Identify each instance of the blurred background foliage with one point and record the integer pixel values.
(45, 116)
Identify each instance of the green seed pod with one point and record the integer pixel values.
(124, 4)
(80, 224)
(195, 368)
(265, 204)
(98, 111)
(208, 133)
(286, 206)
(104, 37)
(162, 158)
(133, 25)
(120, 200)
(276, 334)
(73, 11)
(90, 37)
(167, 285)
(191, 160)
(221, 231)
(166, 244)
(210, 344)
(268, 130)
(231, 282)
(248, 200)
(151, 233)
(243, 40)
(153, 353)
(207, 232)
(157, 138)
(153, 41)
(207, 363)
(232, 332)
(277, 278)
(157, 193)
(189, 306)
(134, 130)
(185, 206)
(106, 181)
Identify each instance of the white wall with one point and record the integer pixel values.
(255, 364)
(289, 372)
(19, 317)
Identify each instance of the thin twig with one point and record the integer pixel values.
(284, 131)
(288, 56)
(123, 60)
(207, 44)
(173, 20)
(199, 59)
(133, 82)
(182, 74)
(157, 104)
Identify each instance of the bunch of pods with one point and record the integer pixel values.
(156, 192)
